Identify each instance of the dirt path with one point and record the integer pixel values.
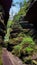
(6, 60)
(9, 59)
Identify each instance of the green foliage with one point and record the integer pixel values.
(10, 22)
(28, 50)
(27, 39)
(17, 50)
(23, 10)
(28, 42)
(6, 38)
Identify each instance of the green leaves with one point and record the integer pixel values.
(28, 49)
(9, 24)
(27, 45)
(23, 10)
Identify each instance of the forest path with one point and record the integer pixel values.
(9, 59)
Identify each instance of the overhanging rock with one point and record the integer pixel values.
(31, 15)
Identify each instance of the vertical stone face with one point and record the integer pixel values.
(6, 4)
(2, 24)
(31, 17)
(4, 15)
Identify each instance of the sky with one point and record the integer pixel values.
(15, 9)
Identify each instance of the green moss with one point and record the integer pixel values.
(1, 56)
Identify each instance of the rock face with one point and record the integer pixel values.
(31, 18)
(2, 24)
(31, 15)
(4, 15)
(6, 4)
